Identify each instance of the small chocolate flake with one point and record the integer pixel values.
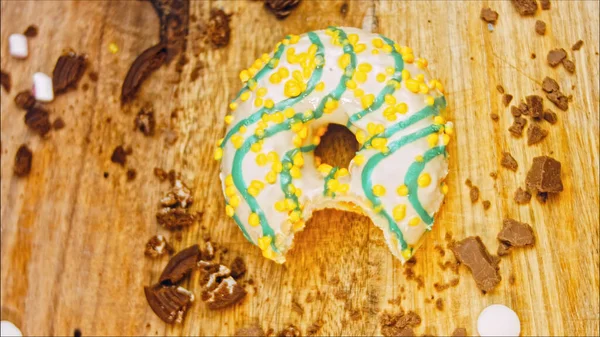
(23, 159)
(503, 249)
(569, 65)
(486, 204)
(545, 4)
(68, 71)
(38, 120)
(281, 8)
(468, 183)
(131, 174)
(577, 45)
(484, 267)
(500, 88)
(119, 155)
(5, 80)
(439, 304)
(550, 116)
(533, 56)
(522, 196)
(509, 162)
(542, 197)
(556, 56)
(160, 174)
(494, 175)
(93, 76)
(218, 28)
(540, 27)
(157, 246)
(559, 99)
(549, 85)
(399, 324)
(145, 122)
(515, 111)
(169, 303)
(314, 328)
(474, 194)
(506, 99)
(238, 268)
(544, 175)
(180, 265)
(535, 134)
(25, 100)
(516, 234)
(525, 7)
(31, 31)
(58, 124)
(488, 15)
(524, 108)
(516, 129)
(536, 106)
(494, 117)
(459, 332)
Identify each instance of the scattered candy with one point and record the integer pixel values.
(42, 87)
(498, 320)
(113, 48)
(9, 329)
(17, 45)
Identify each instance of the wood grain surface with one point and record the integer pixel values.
(73, 240)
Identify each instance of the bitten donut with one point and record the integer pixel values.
(272, 181)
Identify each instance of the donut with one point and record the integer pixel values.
(271, 180)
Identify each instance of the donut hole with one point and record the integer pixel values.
(338, 146)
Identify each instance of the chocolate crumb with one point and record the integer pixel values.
(544, 175)
(550, 116)
(77, 333)
(439, 304)
(23, 159)
(536, 106)
(174, 218)
(524, 108)
(549, 85)
(105, 175)
(238, 267)
(38, 120)
(468, 183)
(486, 204)
(290, 331)
(474, 194)
(542, 197)
(512, 279)
(516, 234)
(506, 99)
(58, 124)
(533, 56)
(314, 328)
(488, 15)
(545, 4)
(169, 303)
(535, 134)
(399, 324)
(157, 246)
(494, 117)
(516, 129)
(5, 80)
(515, 111)
(68, 71)
(196, 72)
(281, 8)
(344, 9)
(525, 7)
(522, 196)
(251, 331)
(577, 45)
(459, 332)
(500, 88)
(93, 76)
(131, 174)
(509, 162)
(540, 27)
(218, 28)
(160, 174)
(556, 56)
(494, 175)
(119, 155)
(569, 65)
(180, 265)
(559, 99)
(31, 31)
(25, 100)
(145, 122)
(484, 267)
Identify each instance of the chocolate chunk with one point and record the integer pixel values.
(494, 117)
(146, 63)
(31, 31)
(490, 16)
(119, 155)
(38, 120)
(506, 99)
(68, 71)
(23, 159)
(508, 161)
(238, 268)
(515, 111)
(218, 28)
(535, 134)
(160, 174)
(174, 218)
(550, 116)
(540, 27)
(577, 45)
(544, 175)
(525, 7)
(484, 267)
(180, 265)
(251, 330)
(559, 99)
(556, 56)
(5, 80)
(569, 65)
(542, 197)
(157, 246)
(545, 4)
(536, 106)
(58, 124)
(486, 205)
(549, 85)
(289, 331)
(474, 194)
(399, 324)
(524, 108)
(169, 303)
(516, 129)
(131, 174)
(281, 8)
(516, 234)
(145, 122)
(227, 293)
(459, 332)
(522, 196)
(25, 100)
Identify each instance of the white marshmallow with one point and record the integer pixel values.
(498, 320)
(17, 46)
(9, 329)
(42, 87)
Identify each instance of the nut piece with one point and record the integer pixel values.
(544, 175)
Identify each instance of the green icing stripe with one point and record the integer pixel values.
(285, 177)
(375, 159)
(327, 179)
(387, 89)
(239, 223)
(410, 180)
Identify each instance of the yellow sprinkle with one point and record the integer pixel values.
(294, 216)
(333, 184)
(390, 70)
(298, 225)
(292, 88)
(439, 120)
(399, 212)
(253, 219)
(405, 74)
(401, 108)
(367, 100)
(379, 143)
(320, 86)
(297, 75)
(269, 103)
(408, 58)
(294, 39)
(414, 221)
(402, 190)
(446, 139)
(229, 180)
(245, 95)
(277, 167)
(237, 141)
(261, 92)
(233, 106)
(275, 78)
(390, 116)
(324, 168)
(360, 48)
(218, 153)
(272, 156)
(406, 253)
(375, 51)
(312, 50)
(113, 48)
(365, 67)
(358, 92)
(351, 84)
(387, 48)
(433, 139)
(264, 242)
(290, 204)
(360, 76)
(295, 172)
(419, 158)
(429, 100)
(390, 99)
(234, 201)
(341, 173)
(259, 132)
(353, 38)
(380, 77)
(271, 177)
(344, 61)
(244, 75)
(220, 141)
(229, 211)
(359, 159)
(256, 147)
(242, 129)
(412, 85)
(444, 188)
(252, 71)
(269, 254)
(316, 140)
(424, 180)
(297, 141)
(280, 206)
(298, 192)
(261, 159)
(230, 191)
(289, 112)
(378, 190)
(344, 188)
(421, 63)
(377, 43)
(258, 102)
(283, 72)
(308, 114)
(265, 57)
(423, 88)
(253, 191)
(298, 160)
(360, 136)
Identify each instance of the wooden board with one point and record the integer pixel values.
(73, 241)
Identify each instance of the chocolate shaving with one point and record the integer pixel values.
(500, 88)
(160, 174)
(23, 159)
(525, 7)
(148, 61)
(509, 162)
(577, 45)
(180, 265)
(31, 31)
(556, 56)
(522, 196)
(218, 28)
(524, 108)
(490, 16)
(540, 27)
(484, 267)
(145, 122)
(37, 119)
(515, 111)
(25, 100)
(550, 116)
(314, 328)
(119, 155)
(506, 99)
(169, 303)
(516, 129)
(494, 117)
(544, 175)
(131, 174)
(68, 71)
(535, 134)
(281, 8)
(515, 234)
(5, 80)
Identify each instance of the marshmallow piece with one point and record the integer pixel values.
(42, 87)
(17, 46)
(9, 329)
(498, 320)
